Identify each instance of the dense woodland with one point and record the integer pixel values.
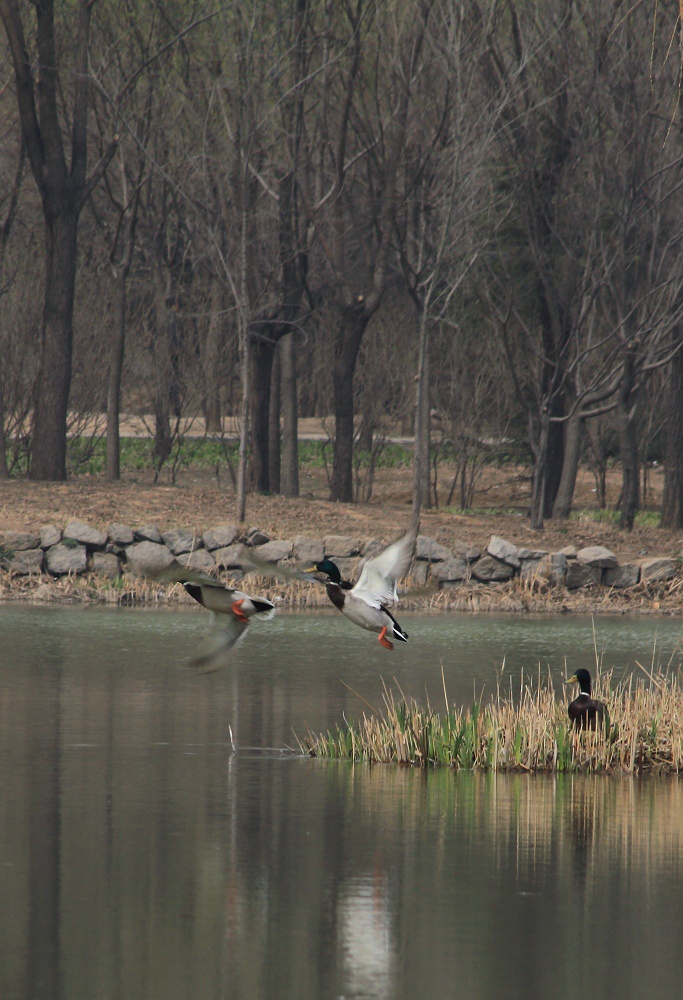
(462, 219)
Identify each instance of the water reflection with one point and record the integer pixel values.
(140, 858)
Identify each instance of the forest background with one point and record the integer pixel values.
(454, 224)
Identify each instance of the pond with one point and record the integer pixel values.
(141, 858)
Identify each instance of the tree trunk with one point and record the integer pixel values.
(113, 466)
(347, 346)
(421, 490)
(262, 350)
(572, 452)
(4, 470)
(628, 445)
(210, 363)
(274, 425)
(555, 455)
(672, 501)
(290, 429)
(538, 482)
(48, 448)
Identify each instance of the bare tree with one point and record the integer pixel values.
(64, 187)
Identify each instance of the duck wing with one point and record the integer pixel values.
(225, 634)
(380, 574)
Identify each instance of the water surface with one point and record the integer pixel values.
(141, 858)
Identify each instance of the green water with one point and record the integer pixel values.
(141, 858)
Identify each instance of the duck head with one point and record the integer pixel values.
(583, 679)
(329, 569)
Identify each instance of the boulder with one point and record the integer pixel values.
(199, 559)
(26, 561)
(62, 559)
(106, 565)
(598, 556)
(20, 541)
(181, 540)
(220, 537)
(86, 535)
(120, 534)
(148, 558)
(419, 572)
(467, 552)
(501, 549)
(431, 550)
(454, 568)
(341, 546)
(308, 550)
(257, 537)
(659, 568)
(529, 569)
(231, 557)
(275, 551)
(524, 554)
(569, 551)
(579, 574)
(491, 570)
(552, 568)
(626, 575)
(148, 533)
(372, 547)
(50, 535)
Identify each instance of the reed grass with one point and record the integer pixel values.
(526, 731)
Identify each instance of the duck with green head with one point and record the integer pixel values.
(585, 711)
(367, 602)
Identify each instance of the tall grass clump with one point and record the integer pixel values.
(529, 731)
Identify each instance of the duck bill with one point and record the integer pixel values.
(572, 680)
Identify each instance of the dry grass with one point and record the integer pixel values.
(527, 731)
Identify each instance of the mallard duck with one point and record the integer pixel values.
(585, 712)
(366, 603)
(231, 612)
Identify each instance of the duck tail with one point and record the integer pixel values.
(264, 609)
(398, 631)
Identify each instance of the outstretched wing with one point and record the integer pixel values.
(379, 575)
(226, 632)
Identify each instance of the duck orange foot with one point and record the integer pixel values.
(382, 639)
(237, 610)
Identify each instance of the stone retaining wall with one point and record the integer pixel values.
(80, 548)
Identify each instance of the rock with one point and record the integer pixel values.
(530, 569)
(569, 551)
(658, 568)
(552, 568)
(49, 535)
(431, 550)
(115, 549)
(275, 551)
(467, 552)
(62, 559)
(524, 554)
(26, 561)
(308, 550)
(419, 572)
(147, 558)
(451, 569)
(220, 537)
(341, 546)
(579, 574)
(348, 568)
(231, 557)
(372, 547)
(597, 555)
(20, 541)
(491, 570)
(199, 559)
(91, 537)
(501, 549)
(120, 534)
(148, 533)
(181, 540)
(105, 564)
(257, 537)
(626, 575)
